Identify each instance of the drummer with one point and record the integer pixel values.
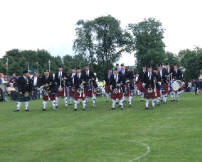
(176, 75)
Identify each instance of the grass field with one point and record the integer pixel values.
(171, 132)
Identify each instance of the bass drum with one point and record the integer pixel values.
(176, 85)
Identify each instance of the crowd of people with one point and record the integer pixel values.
(121, 84)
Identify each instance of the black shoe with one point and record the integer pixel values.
(112, 108)
(16, 110)
(27, 110)
(56, 107)
(43, 109)
(84, 109)
(146, 108)
(75, 109)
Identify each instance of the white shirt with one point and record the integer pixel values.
(60, 74)
(35, 81)
(87, 73)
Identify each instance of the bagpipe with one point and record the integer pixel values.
(46, 89)
(92, 85)
(117, 89)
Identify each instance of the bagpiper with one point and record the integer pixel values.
(24, 84)
(61, 78)
(48, 88)
(89, 84)
(79, 90)
(117, 92)
(150, 88)
(107, 84)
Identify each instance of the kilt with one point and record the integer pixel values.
(22, 98)
(165, 88)
(127, 92)
(77, 95)
(139, 87)
(60, 94)
(88, 91)
(71, 92)
(51, 96)
(107, 88)
(149, 95)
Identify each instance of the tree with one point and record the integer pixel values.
(100, 41)
(148, 42)
(191, 60)
(171, 59)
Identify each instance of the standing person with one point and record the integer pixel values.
(117, 93)
(126, 78)
(196, 87)
(36, 85)
(48, 87)
(150, 88)
(14, 80)
(176, 75)
(118, 67)
(61, 78)
(89, 84)
(107, 84)
(71, 83)
(24, 89)
(140, 83)
(79, 93)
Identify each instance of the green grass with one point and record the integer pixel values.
(173, 132)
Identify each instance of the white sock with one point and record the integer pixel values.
(79, 101)
(44, 104)
(121, 103)
(172, 95)
(75, 104)
(113, 103)
(84, 104)
(153, 102)
(164, 98)
(54, 104)
(94, 100)
(147, 103)
(18, 105)
(65, 100)
(130, 99)
(107, 96)
(26, 105)
(70, 100)
(56, 100)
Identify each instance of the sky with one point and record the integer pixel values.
(50, 24)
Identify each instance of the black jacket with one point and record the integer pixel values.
(24, 85)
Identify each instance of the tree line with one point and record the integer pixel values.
(101, 42)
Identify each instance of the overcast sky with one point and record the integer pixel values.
(50, 24)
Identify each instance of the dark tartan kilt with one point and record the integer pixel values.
(78, 96)
(51, 96)
(117, 96)
(88, 91)
(71, 92)
(22, 98)
(60, 94)
(182, 88)
(107, 88)
(148, 95)
(165, 89)
(127, 92)
(158, 92)
(139, 87)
